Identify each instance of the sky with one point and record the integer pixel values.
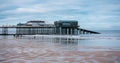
(91, 14)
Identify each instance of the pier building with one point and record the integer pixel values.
(35, 27)
(66, 27)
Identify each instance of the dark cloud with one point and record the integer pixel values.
(86, 12)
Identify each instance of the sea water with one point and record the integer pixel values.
(107, 38)
(83, 48)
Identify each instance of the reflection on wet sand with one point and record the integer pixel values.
(54, 50)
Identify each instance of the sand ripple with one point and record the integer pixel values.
(29, 51)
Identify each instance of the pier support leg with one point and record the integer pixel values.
(80, 31)
(83, 32)
(60, 31)
(71, 31)
(67, 31)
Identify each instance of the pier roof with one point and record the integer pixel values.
(36, 22)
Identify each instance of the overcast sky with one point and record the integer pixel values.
(91, 14)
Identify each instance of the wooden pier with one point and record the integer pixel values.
(61, 27)
(42, 30)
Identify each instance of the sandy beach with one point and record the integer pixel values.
(35, 51)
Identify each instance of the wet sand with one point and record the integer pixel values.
(33, 51)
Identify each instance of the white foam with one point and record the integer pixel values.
(71, 36)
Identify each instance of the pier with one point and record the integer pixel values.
(40, 28)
